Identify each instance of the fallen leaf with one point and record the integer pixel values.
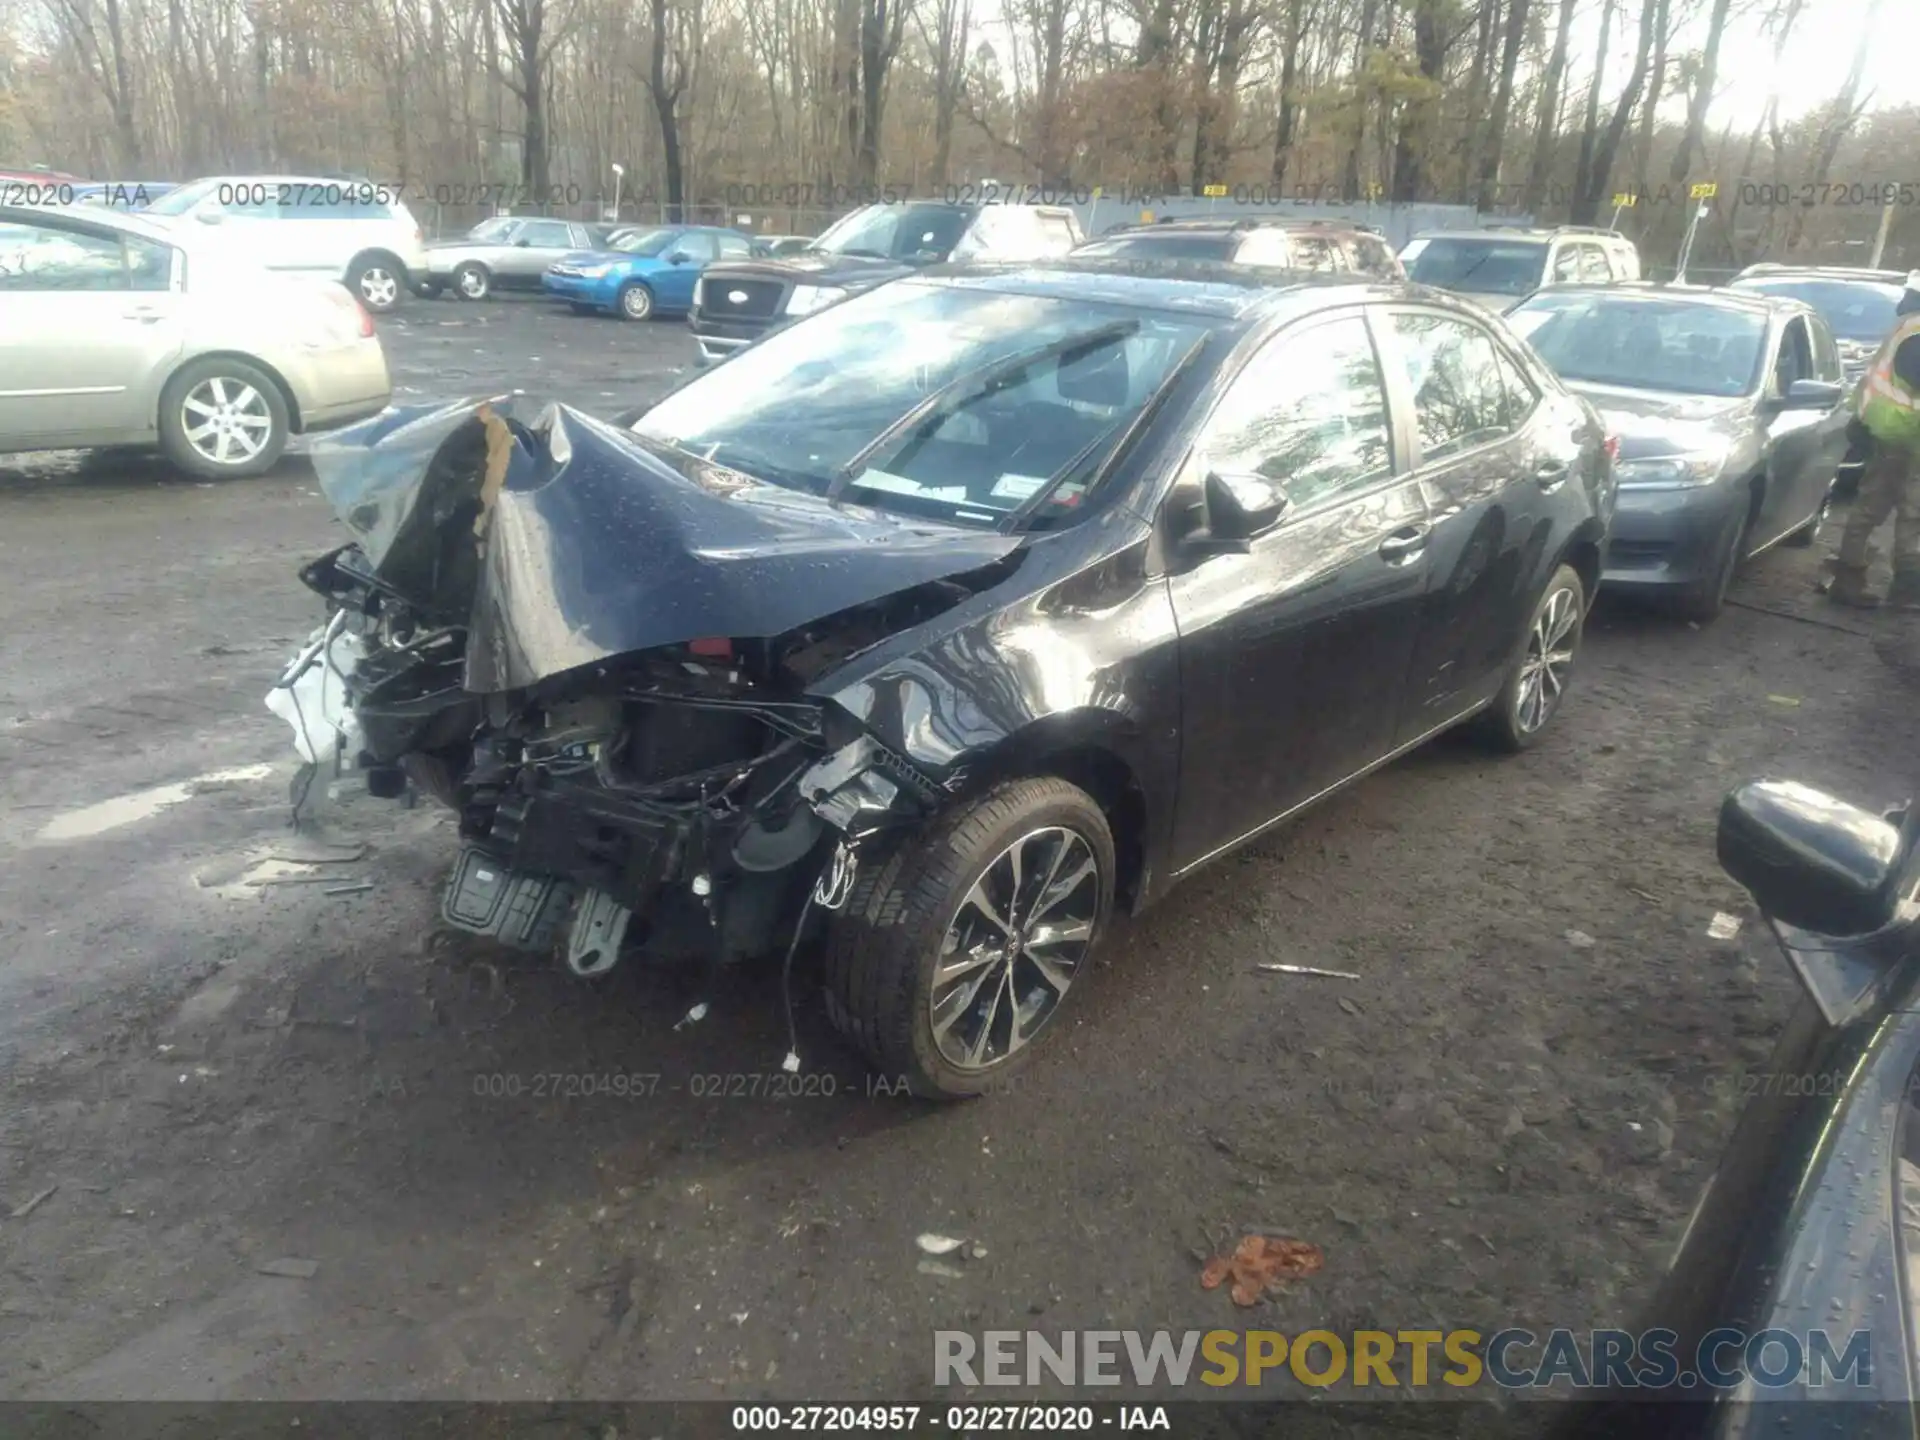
(1214, 1271)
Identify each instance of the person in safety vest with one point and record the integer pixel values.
(1887, 405)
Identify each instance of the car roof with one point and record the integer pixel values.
(1663, 290)
(110, 217)
(1201, 225)
(1203, 287)
(1523, 232)
(1821, 272)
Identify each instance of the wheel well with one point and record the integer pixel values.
(1110, 781)
(294, 423)
(1584, 556)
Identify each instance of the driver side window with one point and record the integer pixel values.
(1795, 358)
(1309, 413)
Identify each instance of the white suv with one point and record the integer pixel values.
(354, 231)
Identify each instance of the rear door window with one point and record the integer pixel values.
(546, 234)
(1566, 265)
(1593, 265)
(1460, 398)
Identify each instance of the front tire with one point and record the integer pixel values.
(1704, 598)
(961, 947)
(223, 419)
(1537, 681)
(636, 301)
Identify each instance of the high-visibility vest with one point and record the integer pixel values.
(1885, 404)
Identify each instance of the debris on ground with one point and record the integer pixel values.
(359, 889)
(291, 1268)
(1723, 926)
(1580, 940)
(338, 855)
(941, 1269)
(21, 1211)
(1790, 701)
(1259, 1262)
(1309, 970)
(1349, 1006)
(939, 1244)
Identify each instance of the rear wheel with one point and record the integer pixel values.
(377, 281)
(223, 418)
(472, 281)
(1537, 681)
(636, 301)
(958, 950)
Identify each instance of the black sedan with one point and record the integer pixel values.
(1728, 409)
(1794, 1283)
(960, 614)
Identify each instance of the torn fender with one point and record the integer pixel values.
(562, 542)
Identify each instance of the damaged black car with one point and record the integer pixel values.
(948, 620)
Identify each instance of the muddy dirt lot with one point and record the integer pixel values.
(1504, 1122)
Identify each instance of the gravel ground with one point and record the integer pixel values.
(1505, 1121)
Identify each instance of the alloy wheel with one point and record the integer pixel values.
(636, 302)
(1543, 673)
(379, 287)
(473, 283)
(226, 421)
(1014, 946)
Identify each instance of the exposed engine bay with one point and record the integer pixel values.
(684, 799)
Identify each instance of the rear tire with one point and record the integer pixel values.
(208, 399)
(378, 282)
(472, 281)
(917, 975)
(1542, 666)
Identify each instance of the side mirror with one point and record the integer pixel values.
(678, 257)
(522, 243)
(1812, 861)
(1241, 507)
(209, 215)
(1813, 395)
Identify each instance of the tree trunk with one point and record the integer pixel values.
(1547, 123)
(1469, 152)
(1586, 204)
(1590, 129)
(1357, 141)
(1841, 116)
(1692, 138)
(1417, 122)
(1283, 137)
(1494, 148)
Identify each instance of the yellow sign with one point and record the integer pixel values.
(1146, 217)
(1213, 192)
(1374, 190)
(1706, 190)
(1624, 201)
(1097, 192)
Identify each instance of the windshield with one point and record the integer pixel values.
(1492, 267)
(1015, 389)
(498, 228)
(897, 232)
(1853, 309)
(642, 242)
(180, 201)
(1682, 347)
(1171, 246)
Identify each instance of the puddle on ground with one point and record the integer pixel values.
(108, 815)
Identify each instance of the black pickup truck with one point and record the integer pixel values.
(738, 301)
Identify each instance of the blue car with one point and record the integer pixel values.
(643, 272)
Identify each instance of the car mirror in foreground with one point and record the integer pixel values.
(1812, 861)
(209, 217)
(1813, 395)
(1241, 506)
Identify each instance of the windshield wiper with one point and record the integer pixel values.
(1142, 418)
(943, 401)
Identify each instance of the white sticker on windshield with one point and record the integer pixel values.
(901, 485)
(1017, 487)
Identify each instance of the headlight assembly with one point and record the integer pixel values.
(1671, 471)
(806, 299)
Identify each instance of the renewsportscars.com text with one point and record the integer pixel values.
(1379, 1360)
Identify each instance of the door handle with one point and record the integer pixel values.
(1551, 474)
(1406, 544)
(145, 314)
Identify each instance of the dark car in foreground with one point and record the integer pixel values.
(739, 301)
(956, 616)
(1790, 1306)
(1728, 408)
(1327, 247)
(1859, 307)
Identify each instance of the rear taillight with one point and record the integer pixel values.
(366, 323)
(1612, 446)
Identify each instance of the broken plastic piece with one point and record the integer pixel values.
(791, 1064)
(1309, 970)
(693, 1016)
(702, 885)
(599, 930)
(1723, 926)
(939, 1244)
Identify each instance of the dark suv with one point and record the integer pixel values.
(736, 303)
(1323, 246)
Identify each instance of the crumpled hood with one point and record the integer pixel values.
(1650, 423)
(561, 542)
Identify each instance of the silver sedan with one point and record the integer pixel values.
(116, 330)
(508, 252)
